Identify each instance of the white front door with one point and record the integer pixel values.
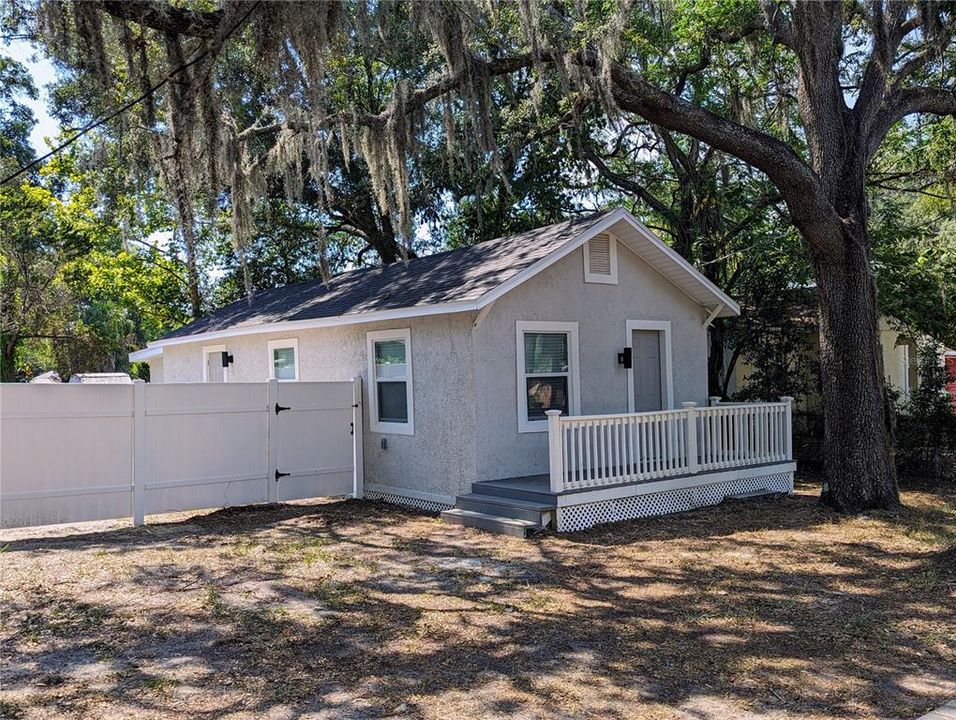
(646, 363)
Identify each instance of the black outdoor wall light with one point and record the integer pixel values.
(624, 358)
(227, 359)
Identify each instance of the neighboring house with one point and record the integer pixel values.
(463, 352)
(899, 361)
(101, 378)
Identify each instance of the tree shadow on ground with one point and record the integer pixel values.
(769, 607)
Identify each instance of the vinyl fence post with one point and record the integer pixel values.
(272, 440)
(713, 400)
(358, 451)
(555, 450)
(693, 463)
(787, 427)
(141, 469)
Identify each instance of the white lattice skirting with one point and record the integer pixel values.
(413, 502)
(581, 517)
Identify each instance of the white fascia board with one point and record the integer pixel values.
(336, 321)
(149, 352)
(675, 256)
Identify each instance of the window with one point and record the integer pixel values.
(284, 359)
(600, 260)
(390, 382)
(213, 367)
(547, 372)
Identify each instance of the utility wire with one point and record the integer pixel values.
(125, 106)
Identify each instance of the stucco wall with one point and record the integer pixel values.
(601, 311)
(156, 369)
(440, 457)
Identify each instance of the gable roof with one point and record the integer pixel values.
(467, 278)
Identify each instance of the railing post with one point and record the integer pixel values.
(140, 453)
(787, 426)
(555, 450)
(713, 400)
(693, 463)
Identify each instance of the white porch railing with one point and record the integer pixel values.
(590, 451)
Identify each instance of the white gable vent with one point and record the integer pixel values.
(600, 260)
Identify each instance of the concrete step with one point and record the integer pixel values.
(492, 523)
(511, 490)
(505, 506)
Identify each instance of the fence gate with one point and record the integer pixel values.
(311, 439)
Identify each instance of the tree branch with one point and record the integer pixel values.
(164, 17)
(907, 101)
(625, 183)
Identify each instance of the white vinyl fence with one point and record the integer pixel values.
(588, 451)
(70, 453)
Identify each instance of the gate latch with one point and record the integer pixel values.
(280, 408)
(281, 475)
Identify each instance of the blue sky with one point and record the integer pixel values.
(43, 73)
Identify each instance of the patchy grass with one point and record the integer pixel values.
(770, 608)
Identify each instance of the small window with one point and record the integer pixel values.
(284, 359)
(390, 382)
(600, 260)
(547, 372)
(214, 368)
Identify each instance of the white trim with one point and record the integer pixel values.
(206, 350)
(279, 345)
(574, 374)
(676, 483)
(610, 279)
(604, 225)
(395, 428)
(667, 366)
(146, 354)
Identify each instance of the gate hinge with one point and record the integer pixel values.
(351, 428)
(281, 475)
(280, 408)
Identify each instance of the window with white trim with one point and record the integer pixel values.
(391, 406)
(600, 259)
(214, 368)
(284, 359)
(547, 354)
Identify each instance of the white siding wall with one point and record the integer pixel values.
(440, 457)
(601, 311)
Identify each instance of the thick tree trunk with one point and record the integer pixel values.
(859, 470)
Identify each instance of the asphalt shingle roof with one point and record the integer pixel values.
(458, 275)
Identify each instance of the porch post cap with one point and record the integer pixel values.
(688, 404)
(552, 413)
(786, 398)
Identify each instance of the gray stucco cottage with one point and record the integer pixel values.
(463, 353)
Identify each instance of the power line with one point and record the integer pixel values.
(125, 106)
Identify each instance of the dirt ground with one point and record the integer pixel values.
(769, 608)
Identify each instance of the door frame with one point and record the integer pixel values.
(667, 367)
